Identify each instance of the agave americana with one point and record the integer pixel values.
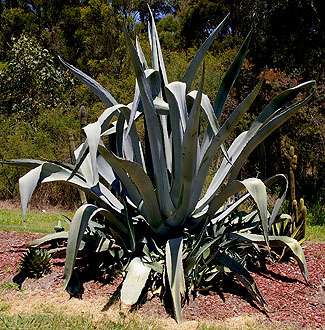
(148, 199)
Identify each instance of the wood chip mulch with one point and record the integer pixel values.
(290, 300)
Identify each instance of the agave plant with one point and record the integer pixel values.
(34, 263)
(148, 198)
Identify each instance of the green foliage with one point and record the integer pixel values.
(30, 80)
(98, 28)
(198, 18)
(316, 214)
(43, 135)
(78, 31)
(303, 131)
(303, 50)
(169, 32)
(293, 225)
(146, 204)
(4, 306)
(13, 22)
(3, 65)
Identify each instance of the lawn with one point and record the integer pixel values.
(36, 222)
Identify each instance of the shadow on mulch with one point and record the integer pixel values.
(269, 274)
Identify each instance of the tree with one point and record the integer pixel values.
(30, 81)
(139, 8)
(198, 18)
(289, 33)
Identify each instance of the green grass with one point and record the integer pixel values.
(58, 321)
(37, 222)
(315, 233)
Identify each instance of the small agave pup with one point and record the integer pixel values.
(147, 199)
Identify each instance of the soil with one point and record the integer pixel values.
(290, 300)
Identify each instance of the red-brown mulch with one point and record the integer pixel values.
(12, 246)
(289, 299)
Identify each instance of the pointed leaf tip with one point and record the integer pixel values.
(191, 70)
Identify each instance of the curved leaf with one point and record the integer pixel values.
(276, 241)
(176, 97)
(259, 132)
(242, 274)
(256, 188)
(92, 84)
(246, 142)
(105, 170)
(188, 162)
(230, 76)
(213, 145)
(49, 238)
(140, 53)
(224, 214)
(157, 53)
(92, 132)
(278, 203)
(213, 127)
(133, 177)
(77, 228)
(194, 255)
(26, 163)
(47, 172)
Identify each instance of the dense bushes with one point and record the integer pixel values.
(44, 137)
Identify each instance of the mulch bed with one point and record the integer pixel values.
(290, 300)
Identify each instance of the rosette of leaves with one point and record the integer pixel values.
(34, 263)
(176, 237)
